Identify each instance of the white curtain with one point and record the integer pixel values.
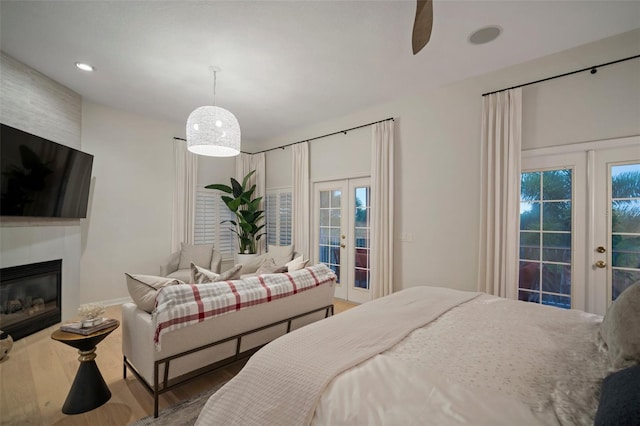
(300, 199)
(382, 206)
(184, 195)
(244, 164)
(500, 193)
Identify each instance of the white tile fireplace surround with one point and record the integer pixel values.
(33, 243)
(39, 105)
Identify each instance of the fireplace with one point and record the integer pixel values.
(30, 297)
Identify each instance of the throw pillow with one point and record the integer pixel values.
(620, 398)
(269, 267)
(296, 264)
(280, 254)
(230, 274)
(620, 328)
(143, 289)
(202, 275)
(252, 265)
(199, 254)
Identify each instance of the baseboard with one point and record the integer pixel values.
(111, 302)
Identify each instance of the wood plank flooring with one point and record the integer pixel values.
(37, 374)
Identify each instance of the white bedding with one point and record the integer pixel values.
(412, 394)
(486, 361)
(528, 363)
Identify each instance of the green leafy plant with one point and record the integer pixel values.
(246, 209)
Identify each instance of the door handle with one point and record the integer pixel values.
(600, 264)
(601, 249)
(342, 245)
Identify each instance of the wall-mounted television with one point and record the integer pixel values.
(41, 178)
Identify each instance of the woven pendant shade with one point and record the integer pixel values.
(213, 131)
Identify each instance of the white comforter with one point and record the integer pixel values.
(486, 361)
(489, 361)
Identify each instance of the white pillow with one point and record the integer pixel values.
(620, 328)
(269, 267)
(202, 275)
(230, 274)
(143, 289)
(280, 254)
(252, 265)
(199, 254)
(296, 264)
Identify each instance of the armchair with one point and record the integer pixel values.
(177, 265)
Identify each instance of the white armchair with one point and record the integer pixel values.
(177, 265)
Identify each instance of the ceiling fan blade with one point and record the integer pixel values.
(422, 25)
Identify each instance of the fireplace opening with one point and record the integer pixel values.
(30, 297)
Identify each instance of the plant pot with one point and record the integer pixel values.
(241, 259)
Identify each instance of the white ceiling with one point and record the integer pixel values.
(285, 64)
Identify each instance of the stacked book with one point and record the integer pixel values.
(80, 327)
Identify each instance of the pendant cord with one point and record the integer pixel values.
(214, 87)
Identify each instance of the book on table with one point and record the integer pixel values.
(76, 326)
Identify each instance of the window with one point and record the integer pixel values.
(278, 213)
(545, 237)
(210, 211)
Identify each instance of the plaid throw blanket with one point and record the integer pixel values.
(178, 306)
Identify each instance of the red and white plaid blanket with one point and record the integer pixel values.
(178, 306)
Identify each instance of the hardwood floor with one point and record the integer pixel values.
(38, 372)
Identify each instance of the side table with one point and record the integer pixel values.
(89, 389)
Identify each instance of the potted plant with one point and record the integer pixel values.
(247, 225)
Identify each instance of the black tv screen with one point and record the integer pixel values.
(41, 178)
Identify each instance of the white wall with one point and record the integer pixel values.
(278, 168)
(215, 170)
(128, 226)
(438, 148)
(584, 107)
(36, 104)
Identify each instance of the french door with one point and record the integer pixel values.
(342, 212)
(580, 225)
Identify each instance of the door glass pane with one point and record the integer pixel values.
(556, 247)
(530, 186)
(625, 251)
(530, 245)
(557, 185)
(625, 216)
(556, 278)
(556, 215)
(556, 300)
(529, 278)
(329, 245)
(361, 234)
(546, 237)
(625, 227)
(529, 216)
(623, 278)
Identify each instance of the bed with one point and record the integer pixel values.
(430, 355)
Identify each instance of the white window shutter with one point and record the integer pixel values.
(210, 211)
(278, 213)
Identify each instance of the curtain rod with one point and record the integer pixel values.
(593, 69)
(312, 139)
(324, 136)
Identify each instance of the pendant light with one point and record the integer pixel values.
(212, 130)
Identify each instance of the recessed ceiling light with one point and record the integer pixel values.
(84, 67)
(485, 35)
